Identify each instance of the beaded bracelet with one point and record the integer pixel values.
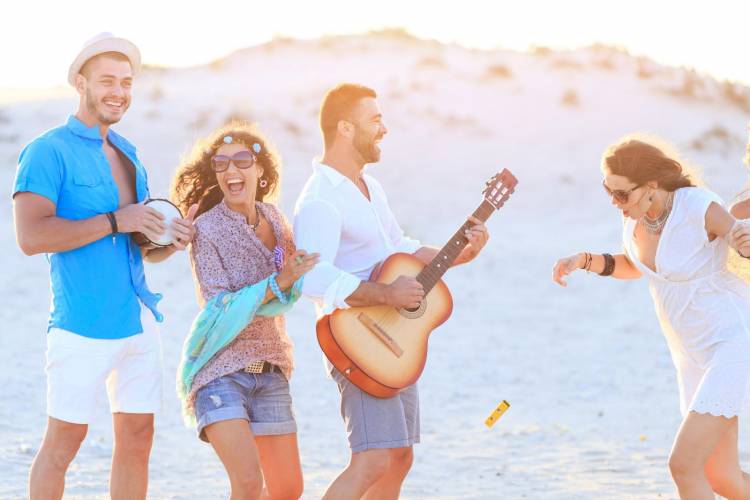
(275, 288)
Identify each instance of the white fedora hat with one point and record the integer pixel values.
(101, 43)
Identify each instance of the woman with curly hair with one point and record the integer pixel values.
(677, 236)
(235, 368)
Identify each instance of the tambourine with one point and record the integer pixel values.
(170, 211)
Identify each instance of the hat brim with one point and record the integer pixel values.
(124, 47)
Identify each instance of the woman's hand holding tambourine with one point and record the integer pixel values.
(183, 230)
(739, 238)
(296, 265)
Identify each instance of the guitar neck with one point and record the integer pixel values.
(432, 273)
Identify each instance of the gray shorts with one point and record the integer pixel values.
(378, 422)
(263, 399)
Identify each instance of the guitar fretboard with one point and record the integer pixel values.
(432, 273)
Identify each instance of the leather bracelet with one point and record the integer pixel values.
(112, 222)
(609, 265)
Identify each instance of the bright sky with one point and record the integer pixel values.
(40, 38)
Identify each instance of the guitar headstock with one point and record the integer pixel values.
(499, 188)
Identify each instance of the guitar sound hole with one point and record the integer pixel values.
(414, 313)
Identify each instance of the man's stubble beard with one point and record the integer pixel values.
(93, 109)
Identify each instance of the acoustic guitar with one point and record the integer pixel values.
(382, 349)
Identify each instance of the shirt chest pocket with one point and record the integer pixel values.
(87, 194)
(86, 179)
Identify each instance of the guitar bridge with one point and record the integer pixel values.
(386, 339)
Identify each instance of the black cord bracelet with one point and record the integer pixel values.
(112, 222)
(609, 265)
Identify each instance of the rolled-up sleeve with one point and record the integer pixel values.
(399, 240)
(317, 229)
(39, 171)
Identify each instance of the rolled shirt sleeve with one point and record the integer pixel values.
(317, 229)
(399, 240)
(39, 171)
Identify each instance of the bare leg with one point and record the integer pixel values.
(696, 440)
(234, 443)
(723, 468)
(279, 459)
(389, 485)
(365, 469)
(134, 434)
(60, 445)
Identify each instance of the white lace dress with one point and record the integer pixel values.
(703, 309)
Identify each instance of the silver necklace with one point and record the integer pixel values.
(656, 226)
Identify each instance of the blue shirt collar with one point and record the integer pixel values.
(82, 130)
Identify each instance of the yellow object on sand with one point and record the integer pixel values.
(497, 413)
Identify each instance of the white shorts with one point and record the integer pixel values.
(78, 368)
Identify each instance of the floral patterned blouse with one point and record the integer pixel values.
(226, 255)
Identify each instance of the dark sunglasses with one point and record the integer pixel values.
(241, 160)
(620, 195)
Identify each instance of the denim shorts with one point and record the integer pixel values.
(263, 399)
(373, 423)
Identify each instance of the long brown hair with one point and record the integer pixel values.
(195, 180)
(641, 161)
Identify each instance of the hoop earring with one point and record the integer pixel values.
(263, 183)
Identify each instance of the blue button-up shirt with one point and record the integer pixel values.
(95, 288)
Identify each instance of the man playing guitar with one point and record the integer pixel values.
(343, 214)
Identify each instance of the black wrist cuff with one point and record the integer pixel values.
(609, 265)
(112, 222)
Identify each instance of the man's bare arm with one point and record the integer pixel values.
(405, 292)
(39, 230)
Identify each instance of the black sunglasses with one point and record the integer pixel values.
(241, 160)
(620, 195)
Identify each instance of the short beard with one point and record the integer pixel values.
(366, 147)
(93, 110)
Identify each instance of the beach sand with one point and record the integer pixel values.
(593, 394)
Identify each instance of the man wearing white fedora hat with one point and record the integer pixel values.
(77, 197)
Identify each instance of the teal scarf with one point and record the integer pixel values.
(217, 325)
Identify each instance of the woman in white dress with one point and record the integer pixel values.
(677, 236)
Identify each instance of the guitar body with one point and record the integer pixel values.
(381, 349)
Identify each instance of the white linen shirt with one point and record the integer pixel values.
(351, 233)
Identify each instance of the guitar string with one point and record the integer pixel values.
(393, 315)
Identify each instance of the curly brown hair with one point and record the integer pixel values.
(195, 180)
